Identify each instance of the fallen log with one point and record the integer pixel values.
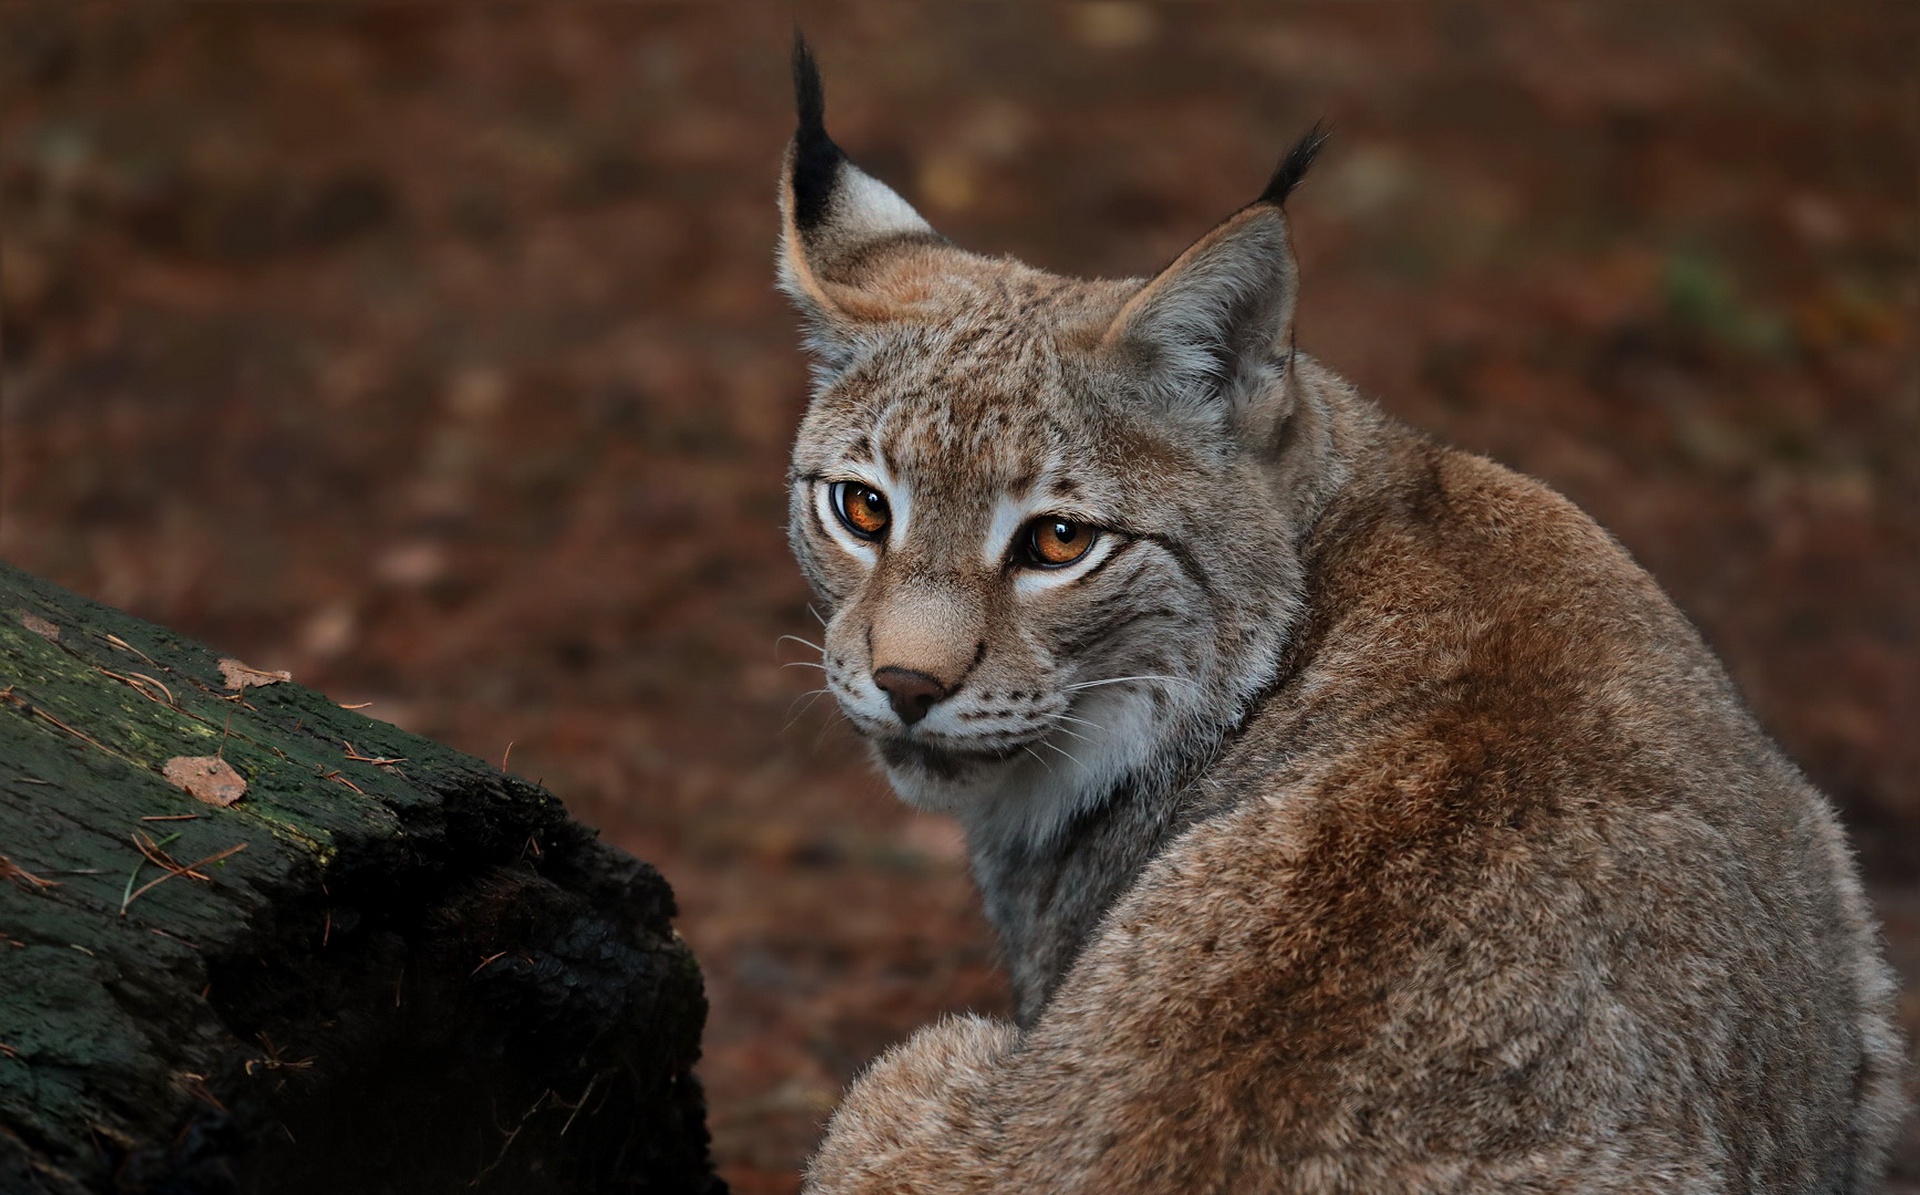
(251, 941)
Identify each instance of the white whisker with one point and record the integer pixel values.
(798, 639)
(1081, 721)
(804, 664)
(816, 615)
(810, 696)
(1121, 680)
(1036, 755)
(836, 710)
(1071, 758)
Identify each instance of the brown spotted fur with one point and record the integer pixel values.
(1448, 861)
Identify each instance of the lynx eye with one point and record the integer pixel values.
(1055, 543)
(862, 508)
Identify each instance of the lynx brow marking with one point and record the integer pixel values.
(1190, 565)
(1074, 644)
(1113, 553)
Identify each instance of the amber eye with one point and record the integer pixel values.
(1055, 543)
(862, 508)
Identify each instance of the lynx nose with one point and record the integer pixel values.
(910, 693)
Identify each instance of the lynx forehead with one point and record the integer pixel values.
(1354, 814)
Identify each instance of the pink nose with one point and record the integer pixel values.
(910, 693)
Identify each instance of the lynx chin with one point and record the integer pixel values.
(1355, 815)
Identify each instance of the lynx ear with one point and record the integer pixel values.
(850, 248)
(1211, 328)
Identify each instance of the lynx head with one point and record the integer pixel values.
(1054, 522)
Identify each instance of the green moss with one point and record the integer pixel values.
(356, 883)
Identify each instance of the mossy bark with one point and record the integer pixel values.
(417, 975)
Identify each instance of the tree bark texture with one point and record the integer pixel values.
(386, 967)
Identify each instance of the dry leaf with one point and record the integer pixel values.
(239, 676)
(208, 777)
(40, 627)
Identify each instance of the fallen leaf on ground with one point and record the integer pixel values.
(208, 777)
(239, 676)
(40, 627)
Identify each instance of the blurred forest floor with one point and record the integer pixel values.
(431, 352)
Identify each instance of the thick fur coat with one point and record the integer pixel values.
(1356, 815)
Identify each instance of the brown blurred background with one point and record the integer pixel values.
(431, 352)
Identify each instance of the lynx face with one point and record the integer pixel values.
(1019, 592)
(1046, 516)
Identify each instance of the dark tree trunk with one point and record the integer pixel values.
(415, 974)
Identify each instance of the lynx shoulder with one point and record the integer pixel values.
(1354, 813)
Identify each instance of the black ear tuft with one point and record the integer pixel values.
(816, 159)
(1293, 167)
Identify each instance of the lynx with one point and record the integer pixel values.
(1355, 815)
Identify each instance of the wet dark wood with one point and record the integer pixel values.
(404, 971)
